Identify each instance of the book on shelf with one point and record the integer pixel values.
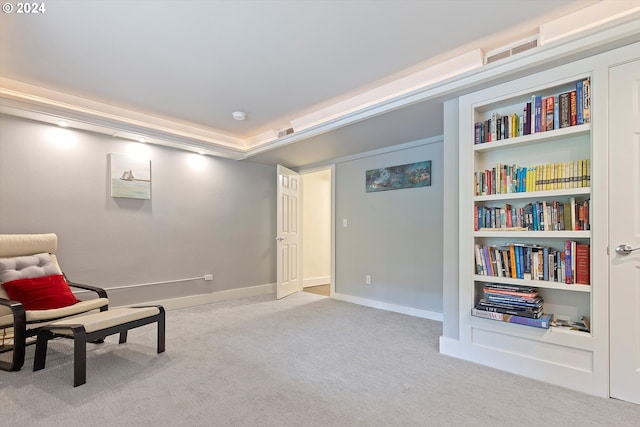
(513, 290)
(565, 110)
(519, 302)
(536, 100)
(511, 259)
(556, 112)
(579, 104)
(494, 126)
(533, 314)
(511, 301)
(586, 101)
(570, 266)
(549, 111)
(477, 133)
(583, 264)
(543, 321)
(573, 108)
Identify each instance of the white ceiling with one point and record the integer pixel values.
(195, 62)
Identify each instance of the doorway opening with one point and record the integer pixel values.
(317, 231)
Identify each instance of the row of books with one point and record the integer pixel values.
(541, 114)
(570, 265)
(512, 303)
(536, 216)
(506, 179)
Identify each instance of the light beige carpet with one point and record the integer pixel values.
(306, 360)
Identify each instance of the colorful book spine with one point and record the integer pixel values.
(573, 102)
(564, 106)
(579, 104)
(477, 133)
(522, 313)
(537, 100)
(586, 101)
(549, 111)
(556, 112)
(583, 264)
(495, 117)
(543, 322)
(570, 261)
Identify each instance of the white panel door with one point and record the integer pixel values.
(289, 269)
(624, 229)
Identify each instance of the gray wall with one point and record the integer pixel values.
(394, 236)
(206, 215)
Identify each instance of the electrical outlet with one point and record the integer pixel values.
(208, 277)
(367, 279)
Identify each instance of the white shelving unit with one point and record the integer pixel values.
(557, 355)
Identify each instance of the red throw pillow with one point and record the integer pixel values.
(41, 293)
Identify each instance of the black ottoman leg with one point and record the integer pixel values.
(79, 356)
(161, 330)
(41, 349)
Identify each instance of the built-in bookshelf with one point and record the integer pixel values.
(531, 203)
(577, 349)
(526, 225)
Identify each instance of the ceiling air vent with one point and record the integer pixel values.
(285, 132)
(512, 49)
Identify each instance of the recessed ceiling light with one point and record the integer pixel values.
(239, 115)
(63, 124)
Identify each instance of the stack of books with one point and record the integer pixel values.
(513, 304)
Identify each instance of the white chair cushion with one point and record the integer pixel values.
(36, 318)
(26, 267)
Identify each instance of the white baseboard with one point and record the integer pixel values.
(315, 281)
(270, 288)
(201, 299)
(425, 314)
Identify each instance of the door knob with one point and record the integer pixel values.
(280, 239)
(625, 249)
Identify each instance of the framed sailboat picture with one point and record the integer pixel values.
(130, 177)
